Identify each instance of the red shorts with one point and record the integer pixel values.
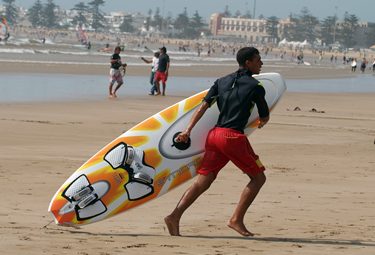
(161, 76)
(224, 144)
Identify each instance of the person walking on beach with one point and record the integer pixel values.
(354, 64)
(363, 65)
(115, 72)
(154, 66)
(236, 94)
(161, 74)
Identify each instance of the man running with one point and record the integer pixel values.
(236, 94)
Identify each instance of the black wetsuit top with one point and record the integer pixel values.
(117, 64)
(236, 95)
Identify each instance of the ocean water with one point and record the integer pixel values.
(362, 83)
(63, 87)
(70, 53)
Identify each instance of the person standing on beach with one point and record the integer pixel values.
(363, 65)
(115, 73)
(162, 71)
(154, 66)
(354, 64)
(236, 94)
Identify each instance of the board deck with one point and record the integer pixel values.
(144, 162)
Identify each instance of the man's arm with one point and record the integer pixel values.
(197, 115)
(115, 60)
(146, 60)
(166, 70)
(184, 136)
(263, 110)
(263, 121)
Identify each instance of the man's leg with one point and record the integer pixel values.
(164, 85)
(153, 90)
(110, 89)
(248, 195)
(157, 84)
(191, 194)
(117, 87)
(152, 78)
(152, 82)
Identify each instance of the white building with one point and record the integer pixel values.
(115, 19)
(252, 30)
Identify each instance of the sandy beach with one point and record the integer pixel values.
(319, 197)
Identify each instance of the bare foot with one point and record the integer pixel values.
(157, 94)
(240, 228)
(173, 225)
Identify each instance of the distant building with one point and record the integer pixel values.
(361, 24)
(283, 26)
(115, 19)
(2, 9)
(252, 30)
(215, 23)
(362, 34)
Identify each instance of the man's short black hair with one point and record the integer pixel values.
(118, 48)
(246, 53)
(163, 49)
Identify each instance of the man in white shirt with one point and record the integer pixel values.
(154, 66)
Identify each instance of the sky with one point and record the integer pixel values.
(363, 9)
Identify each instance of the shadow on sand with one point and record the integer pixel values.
(295, 240)
(340, 242)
